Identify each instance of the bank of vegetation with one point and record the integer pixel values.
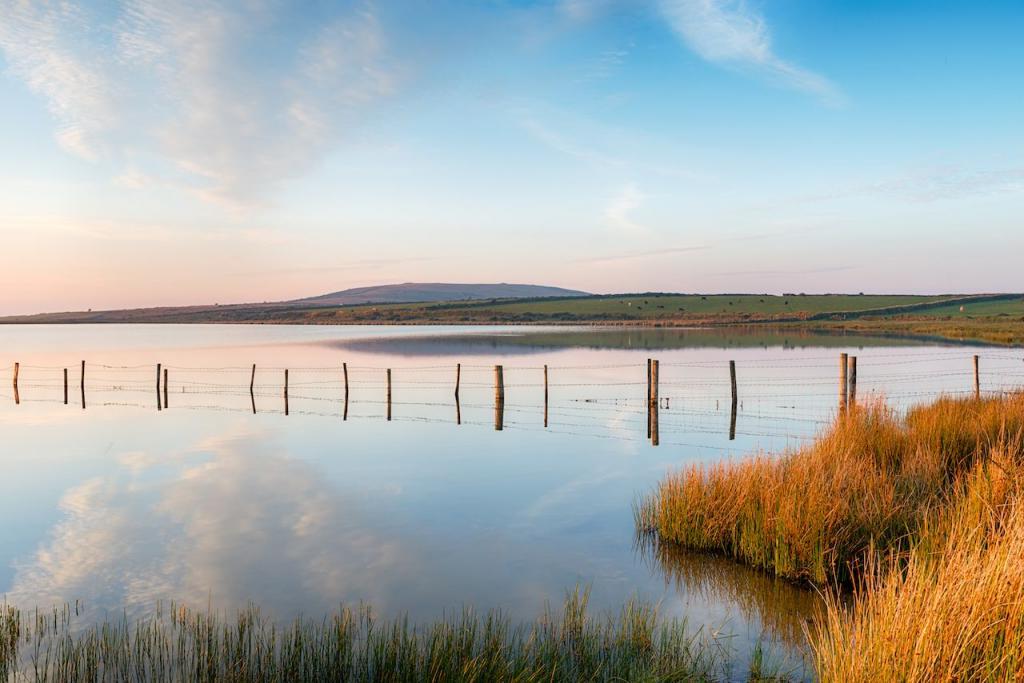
(993, 318)
(919, 516)
(179, 644)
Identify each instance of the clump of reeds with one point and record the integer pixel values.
(952, 609)
(185, 645)
(861, 491)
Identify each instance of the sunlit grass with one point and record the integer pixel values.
(922, 516)
(861, 490)
(952, 609)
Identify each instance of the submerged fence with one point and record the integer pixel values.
(721, 381)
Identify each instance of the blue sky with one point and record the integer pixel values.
(158, 152)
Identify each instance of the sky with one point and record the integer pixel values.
(156, 152)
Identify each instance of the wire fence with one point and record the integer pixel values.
(780, 397)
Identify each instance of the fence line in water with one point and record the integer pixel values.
(110, 378)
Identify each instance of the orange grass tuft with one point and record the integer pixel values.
(953, 608)
(862, 490)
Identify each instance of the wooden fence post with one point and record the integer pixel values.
(648, 398)
(852, 382)
(499, 398)
(286, 391)
(65, 386)
(344, 370)
(159, 403)
(458, 381)
(252, 379)
(735, 400)
(165, 388)
(389, 394)
(977, 379)
(83, 385)
(17, 398)
(653, 405)
(844, 388)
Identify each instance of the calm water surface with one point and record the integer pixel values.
(121, 504)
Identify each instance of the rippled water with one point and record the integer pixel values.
(221, 498)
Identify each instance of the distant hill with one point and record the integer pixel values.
(411, 292)
(297, 309)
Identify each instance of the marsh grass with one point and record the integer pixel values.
(180, 644)
(862, 491)
(923, 517)
(952, 609)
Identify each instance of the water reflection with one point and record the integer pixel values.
(782, 609)
(523, 341)
(206, 502)
(231, 521)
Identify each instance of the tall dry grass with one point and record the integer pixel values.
(859, 492)
(952, 609)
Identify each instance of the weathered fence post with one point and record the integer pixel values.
(165, 388)
(499, 398)
(159, 403)
(977, 379)
(648, 398)
(252, 379)
(852, 381)
(844, 388)
(458, 379)
(286, 391)
(735, 400)
(654, 432)
(65, 386)
(389, 394)
(652, 404)
(17, 398)
(83, 385)
(654, 382)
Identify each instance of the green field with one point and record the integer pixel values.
(1008, 308)
(994, 318)
(673, 305)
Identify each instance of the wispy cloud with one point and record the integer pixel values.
(632, 256)
(564, 144)
(784, 273)
(950, 182)
(187, 86)
(45, 45)
(619, 212)
(582, 10)
(730, 33)
(932, 184)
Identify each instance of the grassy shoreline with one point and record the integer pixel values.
(179, 644)
(921, 516)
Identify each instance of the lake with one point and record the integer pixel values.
(223, 497)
